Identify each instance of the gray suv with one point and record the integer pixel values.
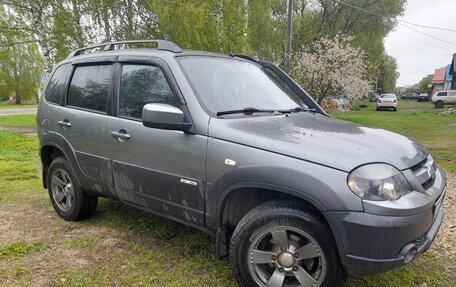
(234, 147)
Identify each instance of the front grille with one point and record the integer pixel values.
(429, 183)
(424, 172)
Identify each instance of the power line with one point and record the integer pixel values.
(424, 42)
(418, 31)
(395, 19)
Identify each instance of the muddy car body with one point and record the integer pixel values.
(293, 196)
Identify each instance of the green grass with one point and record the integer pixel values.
(28, 121)
(19, 166)
(419, 121)
(158, 252)
(19, 250)
(28, 104)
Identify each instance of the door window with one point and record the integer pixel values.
(56, 86)
(89, 87)
(442, 94)
(140, 85)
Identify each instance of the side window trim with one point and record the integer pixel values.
(110, 88)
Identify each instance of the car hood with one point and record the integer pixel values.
(320, 139)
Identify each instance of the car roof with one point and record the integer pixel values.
(152, 52)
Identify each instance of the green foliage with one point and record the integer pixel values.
(387, 75)
(424, 84)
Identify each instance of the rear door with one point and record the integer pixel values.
(160, 170)
(84, 122)
(451, 99)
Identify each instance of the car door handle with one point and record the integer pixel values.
(122, 134)
(64, 123)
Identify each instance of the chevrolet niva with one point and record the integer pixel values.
(233, 146)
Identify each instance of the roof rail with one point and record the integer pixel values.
(245, 57)
(161, 45)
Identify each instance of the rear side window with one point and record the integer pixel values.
(140, 85)
(56, 86)
(442, 94)
(89, 87)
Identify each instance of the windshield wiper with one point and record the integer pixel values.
(297, 110)
(247, 111)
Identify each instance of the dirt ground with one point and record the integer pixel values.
(445, 242)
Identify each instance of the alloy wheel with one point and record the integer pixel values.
(286, 256)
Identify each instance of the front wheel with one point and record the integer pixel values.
(279, 244)
(439, 104)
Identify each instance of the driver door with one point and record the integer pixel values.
(160, 170)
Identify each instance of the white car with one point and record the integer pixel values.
(446, 97)
(387, 101)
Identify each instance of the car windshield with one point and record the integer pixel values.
(388, 96)
(228, 85)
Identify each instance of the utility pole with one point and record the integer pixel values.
(288, 43)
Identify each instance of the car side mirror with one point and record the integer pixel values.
(164, 116)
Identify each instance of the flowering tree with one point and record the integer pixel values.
(331, 67)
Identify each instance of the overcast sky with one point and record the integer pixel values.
(418, 55)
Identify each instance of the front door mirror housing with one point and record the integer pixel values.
(164, 116)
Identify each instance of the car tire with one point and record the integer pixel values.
(377, 109)
(395, 109)
(439, 104)
(279, 242)
(67, 197)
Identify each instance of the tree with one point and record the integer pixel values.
(387, 75)
(425, 83)
(20, 71)
(331, 67)
(20, 64)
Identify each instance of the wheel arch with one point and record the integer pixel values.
(59, 145)
(242, 189)
(48, 153)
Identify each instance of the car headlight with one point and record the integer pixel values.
(378, 182)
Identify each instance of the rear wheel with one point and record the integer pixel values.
(279, 244)
(67, 197)
(439, 104)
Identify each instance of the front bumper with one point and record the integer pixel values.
(370, 243)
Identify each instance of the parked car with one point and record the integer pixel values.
(387, 101)
(234, 147)
(374, 98)
(441, 98)
(410, 96)
(423, 97)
